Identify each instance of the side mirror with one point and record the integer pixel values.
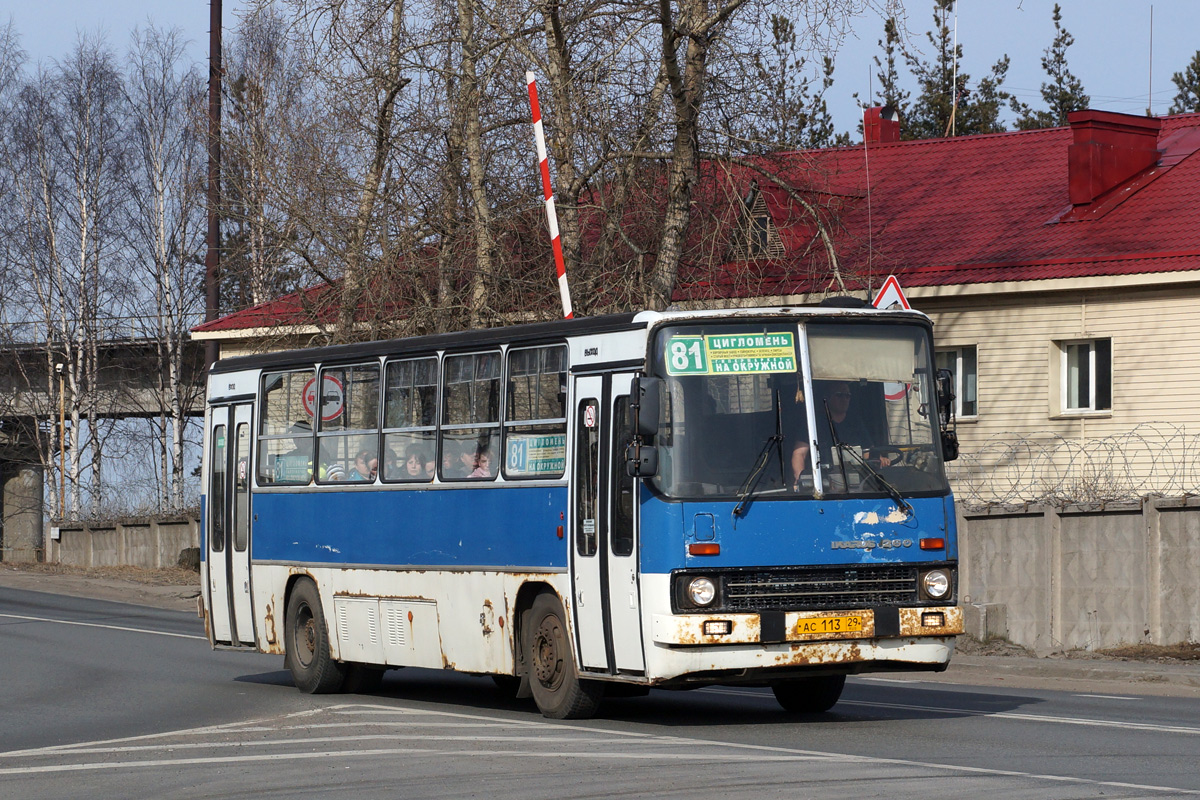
(945, 395)
(945, 401)
(644, 396)
(641, 461)
(949, 445)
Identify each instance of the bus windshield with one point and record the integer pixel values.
(738, 409)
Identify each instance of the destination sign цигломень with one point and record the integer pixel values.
(732, 354)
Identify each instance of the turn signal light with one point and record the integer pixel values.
(933, 544)
(704, 549)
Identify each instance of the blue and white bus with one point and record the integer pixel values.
(752, 497)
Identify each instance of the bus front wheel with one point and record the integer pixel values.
(306, 643)
(809, 695)
(553, 679)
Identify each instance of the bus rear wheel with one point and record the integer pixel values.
(553, 679)
(809, 695)
(306, 643)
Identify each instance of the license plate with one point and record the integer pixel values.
(819, 626)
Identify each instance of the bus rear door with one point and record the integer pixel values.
(604, 575)
(228, 526)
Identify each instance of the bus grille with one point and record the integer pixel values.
(821, 588)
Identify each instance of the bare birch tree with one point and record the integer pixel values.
(163, 95)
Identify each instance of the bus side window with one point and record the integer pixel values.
(349, 424)
(285, 430)
(410, 404)
(587, 472)
(216, 489)
(535, 413)
(470, 433)
(623, 485)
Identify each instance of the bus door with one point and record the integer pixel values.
(604, 556)
(228, 520)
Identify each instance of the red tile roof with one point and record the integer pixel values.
(979, 209)
(939, 212)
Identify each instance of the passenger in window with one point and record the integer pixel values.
(416, 465)
(333, 472)
(366, 465)
(450, 467)
(467, 459)
(483, 464)
(295, 466)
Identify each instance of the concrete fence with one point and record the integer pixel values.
(1053, 578)
(144, 542)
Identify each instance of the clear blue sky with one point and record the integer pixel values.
(1111, 54)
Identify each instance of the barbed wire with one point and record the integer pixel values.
(1016, 469)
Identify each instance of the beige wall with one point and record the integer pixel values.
(1155, 336)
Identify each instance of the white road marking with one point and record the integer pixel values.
(1095, 723)
(752, 752)
(1105, 696)
(970, 712)
(99, 625)
(552, 737)
(401, 751)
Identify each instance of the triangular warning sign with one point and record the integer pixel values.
(890, 295)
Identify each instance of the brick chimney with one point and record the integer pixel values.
(881, 125)
(1107, 150)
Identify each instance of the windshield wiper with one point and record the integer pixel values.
(746, 492)
(844, 449)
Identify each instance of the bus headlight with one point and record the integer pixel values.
(936, 583)
(701, 592)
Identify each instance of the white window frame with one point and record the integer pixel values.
(959, 378)
(1065, 379)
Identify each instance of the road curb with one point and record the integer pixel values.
(1138, 673)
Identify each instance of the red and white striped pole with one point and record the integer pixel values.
(560, 266)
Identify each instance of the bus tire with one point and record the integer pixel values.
(553, 679)
(306, 642)
(809, 695)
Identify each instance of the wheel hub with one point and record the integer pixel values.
(547, 660)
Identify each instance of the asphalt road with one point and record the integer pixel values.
(108, 700)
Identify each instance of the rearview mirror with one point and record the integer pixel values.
(641, 461)
(945, 396)
(644, 405)
(949, 445)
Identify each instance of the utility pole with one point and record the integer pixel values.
(212, 258)
(62, 442)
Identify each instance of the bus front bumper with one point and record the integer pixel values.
(846, 627)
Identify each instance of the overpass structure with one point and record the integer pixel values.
(128, 384)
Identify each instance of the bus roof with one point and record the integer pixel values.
(530, 333)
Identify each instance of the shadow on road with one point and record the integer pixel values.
(708, 707)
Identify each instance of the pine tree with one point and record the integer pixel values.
(889, 93)
(1064, 92)
(946, 104)
(1188, 84)
(793, 117)
(983, 114)
(930, 113)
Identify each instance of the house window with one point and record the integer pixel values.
(1087, 375)
(963, 363)
(759, 237)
